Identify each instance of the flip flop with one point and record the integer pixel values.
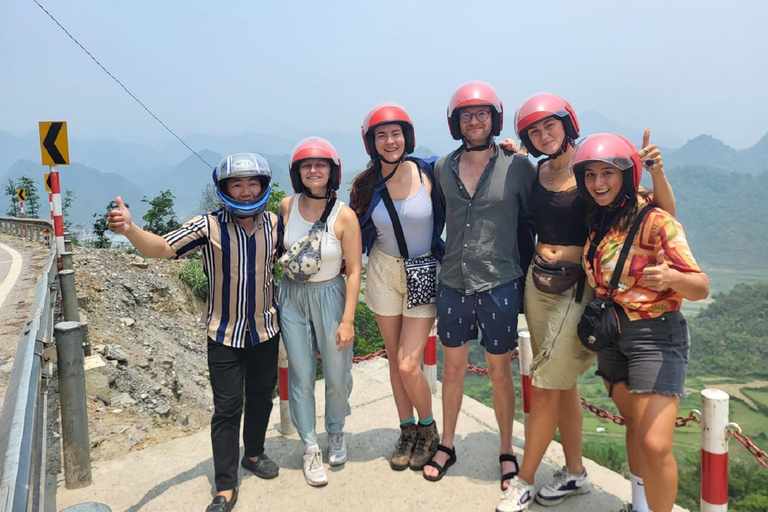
(441, 470)
(508, 457)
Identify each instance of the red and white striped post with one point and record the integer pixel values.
(50, 201)
(23, 228)
(525, 356)
(286, 425)
(58, 222)
(430, 359)
(714, 450)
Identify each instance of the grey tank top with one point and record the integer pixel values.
(416, 217)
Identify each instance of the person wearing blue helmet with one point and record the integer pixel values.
(238, 244)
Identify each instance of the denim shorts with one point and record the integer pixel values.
(651, 355)
(492, 313)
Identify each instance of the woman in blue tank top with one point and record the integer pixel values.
(389, 137)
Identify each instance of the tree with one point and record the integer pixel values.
(101, 226)
(32, 203)
(160, 218)
(66, 206)
(10, 191)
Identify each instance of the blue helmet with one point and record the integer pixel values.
(243, 165)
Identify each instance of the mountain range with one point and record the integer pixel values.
(719, 189)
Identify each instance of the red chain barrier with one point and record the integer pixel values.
(760, 455)
(368, 357)
(603, 413)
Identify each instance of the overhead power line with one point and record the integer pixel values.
(120, 83)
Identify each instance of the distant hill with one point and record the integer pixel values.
(724, 214)
(731, 334)
(93, 190)
(707, 151)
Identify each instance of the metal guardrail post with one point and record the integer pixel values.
(74, 416)
(67, 242)
(66, 261)
(69, 296)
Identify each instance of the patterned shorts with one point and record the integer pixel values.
(492, 314)
(385, 291)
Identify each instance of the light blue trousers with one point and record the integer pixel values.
(310, 314)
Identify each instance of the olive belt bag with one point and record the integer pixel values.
(555, 276)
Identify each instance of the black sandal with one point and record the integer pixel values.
(441, 470)
(508, 457)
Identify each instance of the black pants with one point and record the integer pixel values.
(232, 369)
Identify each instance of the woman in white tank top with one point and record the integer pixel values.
(317, 315)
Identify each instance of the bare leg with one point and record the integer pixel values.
(454, 369)
(390, 327)
(503, 401)
(570, 425)
(539, 429)
(413, 339)
(623, 400)
(655, 431)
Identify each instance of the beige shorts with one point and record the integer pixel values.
(385, 291)
(558, 355)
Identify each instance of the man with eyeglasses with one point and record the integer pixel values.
(485, 190)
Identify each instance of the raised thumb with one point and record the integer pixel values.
(119, 203)
(660, 258)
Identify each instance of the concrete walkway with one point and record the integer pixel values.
(178, 476)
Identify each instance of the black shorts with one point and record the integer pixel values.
(651, 356)
(492, 313)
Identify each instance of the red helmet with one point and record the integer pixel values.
(612, 149)
(473, 94)
(387, 113)
(314, 147)
(540, 106)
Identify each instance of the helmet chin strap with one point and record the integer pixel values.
(567, 142)
(313, 196)
(394, 162)
(488, 145)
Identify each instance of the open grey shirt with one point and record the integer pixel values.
(481, 230)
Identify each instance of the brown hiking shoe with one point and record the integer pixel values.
(401, 457)
(426, 446)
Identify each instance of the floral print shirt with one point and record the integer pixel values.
(659, 231)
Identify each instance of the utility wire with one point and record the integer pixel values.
(121, 84)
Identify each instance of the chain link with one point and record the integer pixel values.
(760, 455)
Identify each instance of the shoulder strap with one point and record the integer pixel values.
(627, 245)
(395, 222)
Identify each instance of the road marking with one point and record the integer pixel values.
(10, 279)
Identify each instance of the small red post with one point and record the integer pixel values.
(525, 357)
(430, 358)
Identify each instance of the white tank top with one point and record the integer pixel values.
(331, 253)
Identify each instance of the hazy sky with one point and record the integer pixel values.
(292, 68)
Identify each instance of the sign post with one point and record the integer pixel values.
(54, 148)
(50, 193)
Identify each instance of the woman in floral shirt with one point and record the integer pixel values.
(646, 367)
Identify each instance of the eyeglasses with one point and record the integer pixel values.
(481, 116)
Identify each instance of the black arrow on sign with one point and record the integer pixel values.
(50, 143)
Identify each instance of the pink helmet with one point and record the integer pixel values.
(474, 94)
(612, 149)
(314, 147)
(387, 113)
(540, 106)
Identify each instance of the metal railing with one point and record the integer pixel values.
(23, 418)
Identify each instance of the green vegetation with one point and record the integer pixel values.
(193, 276)
(160, 218)
(31, 204)
(731, 335)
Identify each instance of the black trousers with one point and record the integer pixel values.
(232, 370)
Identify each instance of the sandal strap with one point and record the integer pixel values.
(435, 465)
(507, 457)
(450, 451)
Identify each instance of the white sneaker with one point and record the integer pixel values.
(516, 497)
(314, 472)
(337, 455)
(563, 485)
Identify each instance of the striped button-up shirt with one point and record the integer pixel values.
(239, 269)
